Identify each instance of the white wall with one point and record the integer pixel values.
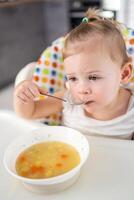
(126, 13)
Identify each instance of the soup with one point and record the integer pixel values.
(47, 159)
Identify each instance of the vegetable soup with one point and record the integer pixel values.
(47, 159)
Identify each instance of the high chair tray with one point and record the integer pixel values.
(107, 175)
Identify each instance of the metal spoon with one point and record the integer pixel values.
(42, 97)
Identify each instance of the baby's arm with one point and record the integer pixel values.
(26, 107)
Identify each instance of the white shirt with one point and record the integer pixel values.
(120, 127)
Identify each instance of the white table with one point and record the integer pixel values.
(107, 175)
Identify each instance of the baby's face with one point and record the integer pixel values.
(94, 78)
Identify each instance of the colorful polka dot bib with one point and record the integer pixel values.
(49, 71)
(128, 35)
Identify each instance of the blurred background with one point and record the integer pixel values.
(27, 27)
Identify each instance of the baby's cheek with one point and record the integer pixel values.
(100, 95)
(72, 89)
(105, 97)
(73, 93)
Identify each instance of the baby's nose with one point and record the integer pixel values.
(84, 88)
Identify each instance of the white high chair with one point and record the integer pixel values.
(25, 73)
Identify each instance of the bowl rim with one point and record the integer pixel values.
(51, 180)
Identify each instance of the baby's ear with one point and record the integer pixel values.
(126, 73)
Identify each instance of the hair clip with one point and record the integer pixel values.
(85, 20)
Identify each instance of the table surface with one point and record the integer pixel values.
(107, 175)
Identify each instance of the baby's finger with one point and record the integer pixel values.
(43, 91)
(23, 98)
(34, 90)
(29, 94)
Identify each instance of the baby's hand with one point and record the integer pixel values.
(28, 91)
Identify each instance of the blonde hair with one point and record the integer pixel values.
(96, 25)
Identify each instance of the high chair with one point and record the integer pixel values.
(25, 73)
(48, 71)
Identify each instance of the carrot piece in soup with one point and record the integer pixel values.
(35, 169)
(59, 165)
(22, 158)
(64, 156)
(41, 169)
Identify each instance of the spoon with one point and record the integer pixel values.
(43, 97)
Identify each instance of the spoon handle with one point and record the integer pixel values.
(43, 96)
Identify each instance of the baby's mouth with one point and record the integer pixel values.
(88, 102)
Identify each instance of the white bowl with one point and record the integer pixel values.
(48, 133)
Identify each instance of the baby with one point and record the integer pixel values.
(97, 68)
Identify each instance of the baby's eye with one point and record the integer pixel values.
(93, 78)
(72, 79)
